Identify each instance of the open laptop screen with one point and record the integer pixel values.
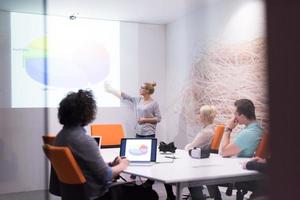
(139, 149)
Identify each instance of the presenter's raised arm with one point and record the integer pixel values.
(108, 88)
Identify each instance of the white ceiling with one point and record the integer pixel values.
(145, 11)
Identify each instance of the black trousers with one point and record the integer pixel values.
(129, 191)
(214, 192)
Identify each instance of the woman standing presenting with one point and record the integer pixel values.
(146, 109)
(147, 116)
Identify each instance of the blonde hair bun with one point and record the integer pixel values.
(150, 86)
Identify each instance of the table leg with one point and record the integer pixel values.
(178, 191)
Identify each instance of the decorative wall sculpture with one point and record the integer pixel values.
(222, 74)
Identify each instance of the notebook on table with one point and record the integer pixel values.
(139, 151)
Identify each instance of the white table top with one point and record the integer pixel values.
(184, 169)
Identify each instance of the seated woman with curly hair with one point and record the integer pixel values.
(77, 110)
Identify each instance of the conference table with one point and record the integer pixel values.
(184, 171)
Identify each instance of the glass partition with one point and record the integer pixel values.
(23, 166)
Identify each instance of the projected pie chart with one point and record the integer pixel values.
(78, 67)
(141, 150)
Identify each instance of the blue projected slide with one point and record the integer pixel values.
(91, 67)
(70, 55)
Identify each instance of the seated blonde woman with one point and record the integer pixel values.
(203, 140)
(204, 137)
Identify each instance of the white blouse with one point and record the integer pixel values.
(203, 138)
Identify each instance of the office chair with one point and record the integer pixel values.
(262, 149)
(71, 179)
(219, 130)
(111, 134)
(49, 139)
(54, 187)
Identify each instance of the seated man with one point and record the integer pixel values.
(246, 141)
(258, 188)
(77, 110)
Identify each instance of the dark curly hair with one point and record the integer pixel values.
(77, 108)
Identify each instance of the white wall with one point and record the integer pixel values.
(217, 22)
(22, 162)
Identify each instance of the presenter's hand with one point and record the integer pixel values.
(142, 120)
(107, 86)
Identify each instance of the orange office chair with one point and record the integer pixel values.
(54, 182)
(71, 179)
(262, 149)
(111, 134)
(219, 130)
(49, 139)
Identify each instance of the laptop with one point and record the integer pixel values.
(98, 140)
(139, 151)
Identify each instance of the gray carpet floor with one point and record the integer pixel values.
(41, 194)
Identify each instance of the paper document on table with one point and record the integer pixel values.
(165, 159)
